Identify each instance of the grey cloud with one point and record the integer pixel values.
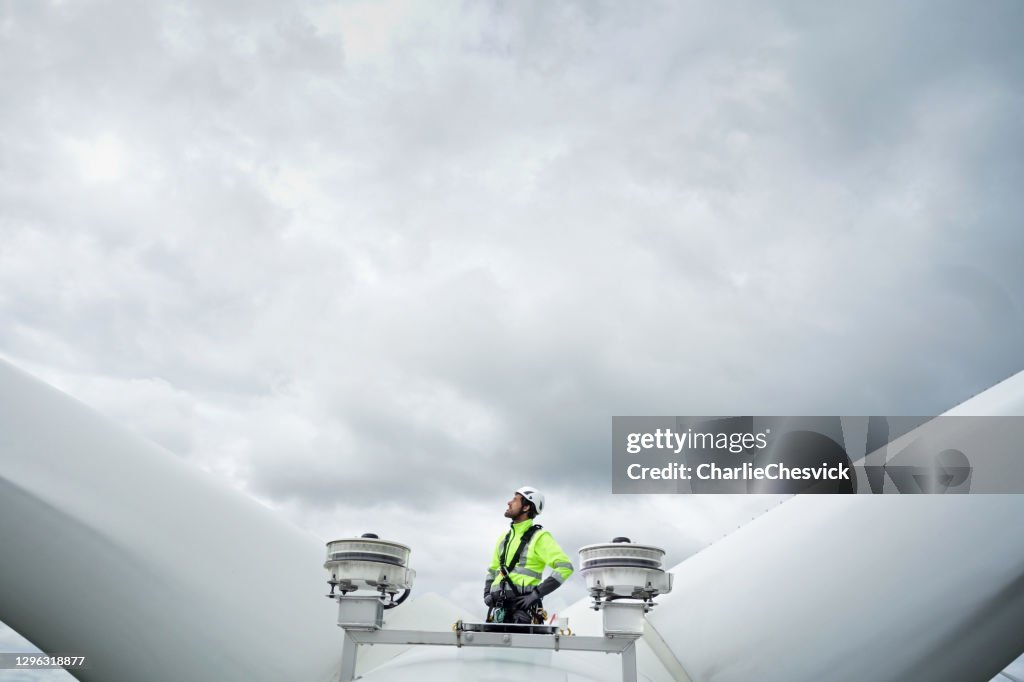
(378, 275)
(457, 258)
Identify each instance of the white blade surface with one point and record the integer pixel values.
(917, 587)
(855, 588)
(113, 549)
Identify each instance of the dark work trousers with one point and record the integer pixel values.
(519, 617)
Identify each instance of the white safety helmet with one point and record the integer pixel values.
(534, 496)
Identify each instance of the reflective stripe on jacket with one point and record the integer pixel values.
(542, 551)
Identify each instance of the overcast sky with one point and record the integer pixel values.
(377, 263)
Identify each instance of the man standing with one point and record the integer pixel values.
(513, 590)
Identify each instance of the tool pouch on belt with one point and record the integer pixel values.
(496, 613)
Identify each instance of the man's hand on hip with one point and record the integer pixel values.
(527, 601)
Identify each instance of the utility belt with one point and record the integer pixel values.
(503, 610)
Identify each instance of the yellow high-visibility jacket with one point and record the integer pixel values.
(542, 551)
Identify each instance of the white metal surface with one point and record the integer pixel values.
(654, 660)
(623, 569)
(609, 645)
(422, 612)
(361, 613)
(617, 551)
(623, 618)
(437, 664)
(374, 548)
(369, 563)
(627, 581)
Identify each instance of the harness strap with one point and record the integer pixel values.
(503, 564)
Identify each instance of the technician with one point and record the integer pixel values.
(513, 590)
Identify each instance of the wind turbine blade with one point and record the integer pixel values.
(113, 549)
(893, 587)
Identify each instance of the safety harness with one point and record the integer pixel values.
(506, 579)
(497, 612)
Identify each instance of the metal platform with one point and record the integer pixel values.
(489, 635)
(509, 628)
